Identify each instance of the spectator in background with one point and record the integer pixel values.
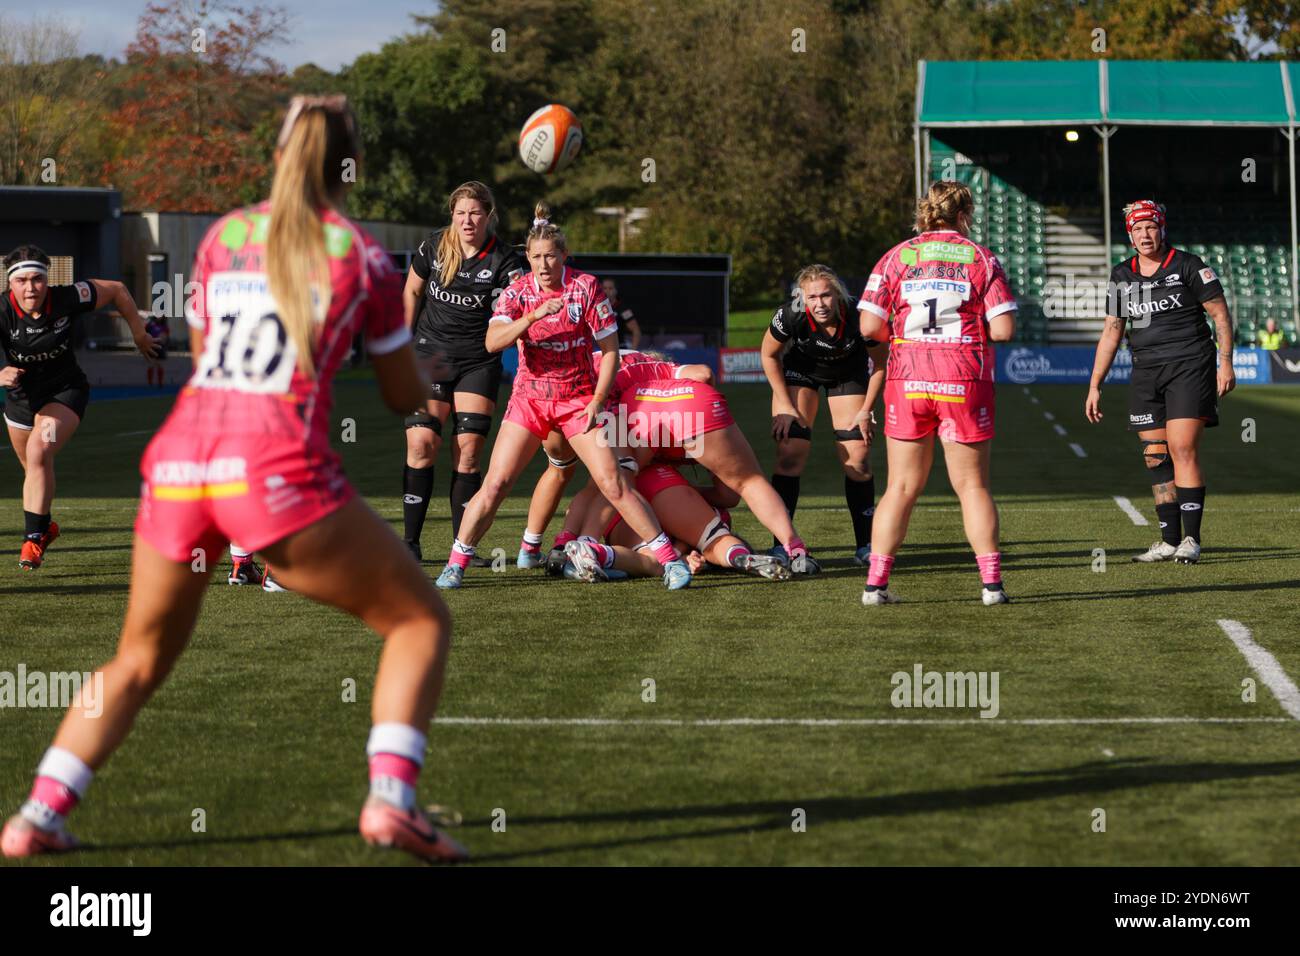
(629, 332)
(1271, 337)
(156, 326)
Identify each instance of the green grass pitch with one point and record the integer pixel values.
(252, 728)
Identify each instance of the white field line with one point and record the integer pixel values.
(1059, 429)
(1265, 665)
(1033, 399)
(1078, 449)
(146, 431)
(1126, 506)
(1049, 416)
(838, 721)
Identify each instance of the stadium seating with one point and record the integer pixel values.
(1248, 246)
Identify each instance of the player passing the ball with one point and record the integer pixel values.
(1162, 294)
(942, 301)
(285, 286)
(556, 314)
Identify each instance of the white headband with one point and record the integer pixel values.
(538, 223)
(28, 265)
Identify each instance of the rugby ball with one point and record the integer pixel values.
(550, 139)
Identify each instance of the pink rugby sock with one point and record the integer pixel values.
(58, 797)
(663, 549)
(795, 546)
(990, 567)
(564, 537)
(878, 572)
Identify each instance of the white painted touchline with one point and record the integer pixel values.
(146, 431)
(838, 721)
(1049, 416)
(1078, 449)
(1033, 399)
(1265, 665)
(1126, 506)
(1025, 389)
(1059, 429)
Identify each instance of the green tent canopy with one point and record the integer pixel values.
(1111, 92)
(1108, 95)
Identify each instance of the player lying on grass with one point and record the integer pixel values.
(545, 501)
(672, 420)
(814, 343)
(556, 315)
(942, 301)
(1163, 294)
(245, 454)
(702, 530)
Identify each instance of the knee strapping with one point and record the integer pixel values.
(424, 420)
(799, 431)
(472, 423)
(562, 462)
(1163, 470)
(848, 434)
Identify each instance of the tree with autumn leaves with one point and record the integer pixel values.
(197, 97)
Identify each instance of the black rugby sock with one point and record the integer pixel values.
(861, 499)
(1191, 502)
(417, 486)
(1169, 523)
(787, 486)
(464, 486)
(34, 525)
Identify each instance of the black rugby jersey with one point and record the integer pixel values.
(43, 346)
(1164, 312)
(454, 320)
(812, 348)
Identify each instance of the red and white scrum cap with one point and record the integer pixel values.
(1142, 211)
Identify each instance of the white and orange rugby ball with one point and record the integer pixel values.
(550, 139)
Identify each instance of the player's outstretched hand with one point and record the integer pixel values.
(9, 375)
(147, 345)
(1092, 407)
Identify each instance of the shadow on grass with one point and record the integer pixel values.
(1091, 779)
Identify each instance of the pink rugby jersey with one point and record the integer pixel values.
(247, 380)
(634, 368)
(937, 291)
(554, 362)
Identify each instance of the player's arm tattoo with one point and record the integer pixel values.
(1115, 324)
(1165, 493)
(1218, 309)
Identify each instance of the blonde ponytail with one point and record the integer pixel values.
(317, 139)
(943, 205)
(543, 228)
(449, 254)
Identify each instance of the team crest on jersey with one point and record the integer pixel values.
(485, 274)
(575, 313)
(1208, 276)
(61, 324)
(83, 291)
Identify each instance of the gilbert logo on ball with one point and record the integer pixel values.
(550, 139)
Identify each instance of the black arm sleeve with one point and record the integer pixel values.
(75, 299)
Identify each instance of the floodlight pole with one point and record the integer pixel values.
(1105, 132)
(1290, 133)
(916, 123)
(1295, 254)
